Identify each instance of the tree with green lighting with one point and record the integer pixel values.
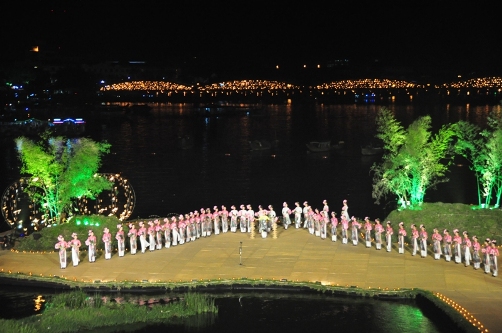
(62, 170)
(483, 149)
(414, 159)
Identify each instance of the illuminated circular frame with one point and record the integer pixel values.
(119, 202)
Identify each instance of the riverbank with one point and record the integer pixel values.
(295, 256)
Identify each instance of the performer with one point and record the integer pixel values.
(316, 216)
(272, 215)
(243, 218)
(119, 236)
(476, 259)
(367, 231)
(198, 223)
(310, 220)
(436, 243)
(355, 230)
(262, 221)
(494, 253)
(133, 236)
(158, 234)
(142, 233)
(107, 240)
(174, 231)
(457, 242)
(298, 215)
(401, 234)
(388, 236)
(216, 220)
(378, 234)
(423, 241)
(75, 249)
(234, 215)
(250, 217)
(325, 207)
(224, 218)
(286, 220)
(414, 239)
(91, 246)
(345, 210)
(151, 236)
(334, 225)
(466, 247)
(166, 228)
(188, 229)
(193, 226)
(61, 245)
(182, 228)
(447, 244)
(203, 226)
(345, 226)
(324, 223)
(486, 255)
(305, 214)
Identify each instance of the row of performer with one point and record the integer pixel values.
(189, 227)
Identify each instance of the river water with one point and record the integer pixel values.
(266, 312)
(221, 169)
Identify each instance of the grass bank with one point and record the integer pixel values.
(484, 223)
(77, 311)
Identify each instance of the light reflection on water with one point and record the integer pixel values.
(221, 169)
(272, 312)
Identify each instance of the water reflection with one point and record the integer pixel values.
(221, 168)
(270, 312)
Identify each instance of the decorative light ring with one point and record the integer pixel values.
(119, 202)
(14, 198)
(16, 203)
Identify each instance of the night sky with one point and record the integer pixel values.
(247, 35)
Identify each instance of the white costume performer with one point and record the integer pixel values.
(286, 220)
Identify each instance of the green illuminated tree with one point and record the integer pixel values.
(483, 149)
(61, 170)
(414, 159)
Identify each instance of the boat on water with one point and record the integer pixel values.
(323, 146)
(260, 145)
(371, 150)
(319, 146)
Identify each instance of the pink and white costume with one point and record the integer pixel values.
(400, 237)
(142, 233)
(367, 231)
(151, 236)
(447, 244)
(61, 245)
(234, 215)
(75, 249)
(436, 243)
(457, 250)
(378, 234)
(334, 225)
(91, 246)
(133, 236)
(120, 240)
(224, 219)
(423, 241)
(388, 236)
(107, 240)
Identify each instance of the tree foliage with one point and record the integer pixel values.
(62, 170)
(414, 159)
(483, 149)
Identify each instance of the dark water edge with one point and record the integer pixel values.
(268, 311)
